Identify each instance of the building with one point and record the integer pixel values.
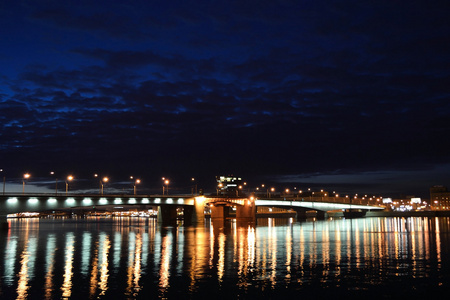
(439, 197)
(230, 186)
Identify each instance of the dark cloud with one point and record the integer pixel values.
(262, 89)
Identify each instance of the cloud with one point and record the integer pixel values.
(257, 88)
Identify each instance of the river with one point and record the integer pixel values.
(136, 258)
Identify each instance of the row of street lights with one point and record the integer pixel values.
(69, 178)
(102, 182)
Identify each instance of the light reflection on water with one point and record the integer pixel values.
(137, 258)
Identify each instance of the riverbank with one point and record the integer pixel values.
(400, 214)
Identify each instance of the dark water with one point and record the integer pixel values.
(137, 258)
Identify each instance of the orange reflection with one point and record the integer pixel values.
(105, 245)
(66, 287)
(134, 264)
(165, 263)
(50, 261)
(26, 270)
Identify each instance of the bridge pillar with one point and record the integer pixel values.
(3, 221)
(198, 212)
(246, 212)
(220, 212)
(301, 213)
(321, 215)
(167, 215)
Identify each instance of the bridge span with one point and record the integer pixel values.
(194, 206)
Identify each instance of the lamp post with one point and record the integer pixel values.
(219, 187)
(25, 177)
(271, 191)
(104, 180)
(4, 182)
(69, 178)
(137, 181)
(193, 181)
(166, 182)
(56, 183)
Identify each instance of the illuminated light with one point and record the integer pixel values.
(33, 200)
(157, 200)
(132, 201)
(169, 200)
(416, 200)
(180, 200)
(12, 200)
(103, 201)
(145, 200)
(387, 200)
(70, 200)
(118, 200)
(52, 201)
(87, 201)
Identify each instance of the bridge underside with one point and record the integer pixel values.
(221, 209)
(193, 207)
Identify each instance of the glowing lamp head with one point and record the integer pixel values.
(26, 175)
(105, 179)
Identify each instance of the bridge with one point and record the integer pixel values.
(193, 206)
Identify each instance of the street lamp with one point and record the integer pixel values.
(271, 190)
(219, 187)
(4, 182)
(193, 181)
(69, 178)
(104, 180)
(56, 183)
(137, 181)
(25, 177)
(166, 182)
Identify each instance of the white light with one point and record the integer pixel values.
(33, 200)
(416, 200)
(52, 201)
(158, 200)
(169, 200)
(12, 200)
(180, 200)
(387, 200)
(132, 201)
(145, 200)
(70, 200)
(87, 201)
(103, 201)
(118, 200)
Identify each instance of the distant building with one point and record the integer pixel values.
(229, 186)
(439, 197)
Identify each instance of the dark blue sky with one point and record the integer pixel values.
(346, 95)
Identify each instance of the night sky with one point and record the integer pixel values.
(352, 96)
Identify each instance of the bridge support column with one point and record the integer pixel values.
(3, 221)
(167, 215)
(246, 212)
(220, 212)
(198, 211)
(301, 214)
(321, 215)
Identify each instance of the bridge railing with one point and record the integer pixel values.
(343, 200)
